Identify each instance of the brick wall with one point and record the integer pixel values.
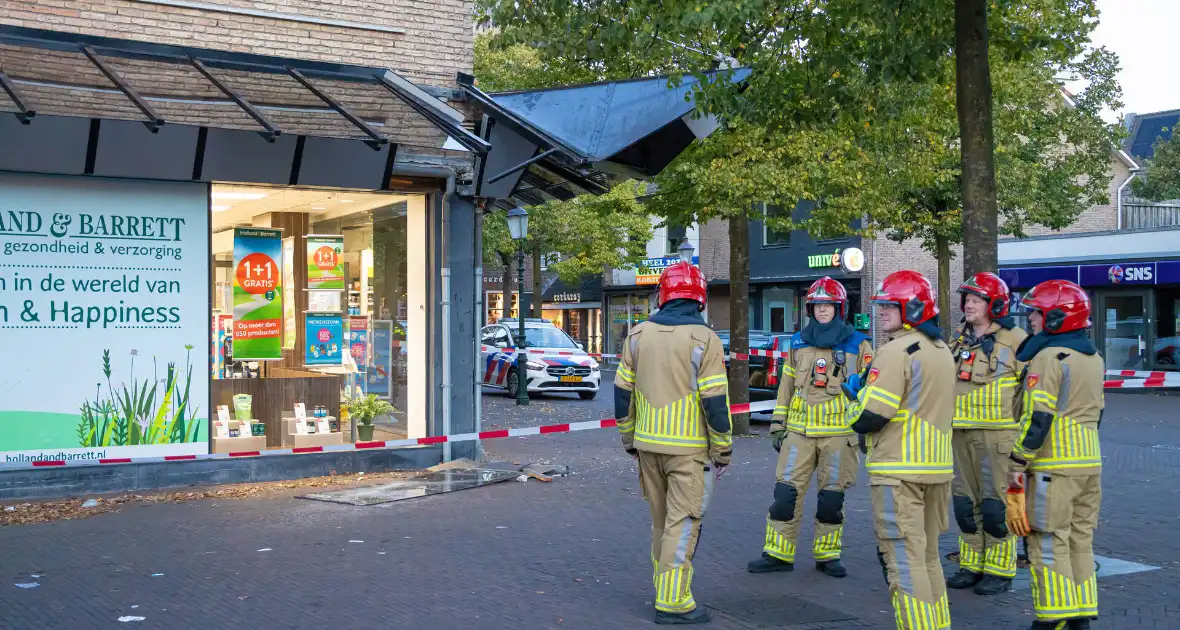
(437, 42)
(883, 257)
(714, 255)
(1097, 218)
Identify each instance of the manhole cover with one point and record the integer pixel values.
(421, 486)
(780, 611)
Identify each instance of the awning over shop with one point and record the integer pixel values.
(206, 109)
(559, 142)
(588, 290)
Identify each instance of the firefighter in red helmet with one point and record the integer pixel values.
(811, 433)
(1062, 403)
(986, 377)
(671, 403)
(904, 408)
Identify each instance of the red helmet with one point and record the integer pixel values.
(991, 288)
(827, 291)
(682, 280)
(1064, 305)
(911, 292)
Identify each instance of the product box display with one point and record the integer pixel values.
(310, 432)
(235, 436)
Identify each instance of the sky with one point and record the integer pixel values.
(1143, 33)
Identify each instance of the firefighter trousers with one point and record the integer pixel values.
(981, 467)
(907, 519)
(835, 462)
(677, 489)
(1062, 514)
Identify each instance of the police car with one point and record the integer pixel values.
(555, 362)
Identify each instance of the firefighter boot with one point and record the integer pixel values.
(700, 614)
(834, 568)
(769, 564)
(1079, 624)
(1048, 625)
(963, 579)
(991, 585)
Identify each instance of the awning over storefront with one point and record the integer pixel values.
(584, 294)
(559, 142)
(178, 112)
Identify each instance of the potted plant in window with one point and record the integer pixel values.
(362, 410)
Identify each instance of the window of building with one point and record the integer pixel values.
(676, 234)
(770, 236)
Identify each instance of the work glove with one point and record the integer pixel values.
(777, 438)
(852, 386)
(1016, 511)
(862, 441)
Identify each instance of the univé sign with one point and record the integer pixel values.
(850, 259)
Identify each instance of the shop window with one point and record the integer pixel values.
(347, 265)
(770, 236)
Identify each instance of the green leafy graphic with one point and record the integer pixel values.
(130, 415)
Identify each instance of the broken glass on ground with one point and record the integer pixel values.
(438, 482)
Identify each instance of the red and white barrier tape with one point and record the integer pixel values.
(1170, 376)
(1136, 383)
(550, 353)
(767, 405)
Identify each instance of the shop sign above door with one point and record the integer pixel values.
(650, 269)
(850, 259)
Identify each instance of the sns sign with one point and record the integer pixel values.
(258, 294)
(1118, 274)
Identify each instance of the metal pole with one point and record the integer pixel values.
(522, 385)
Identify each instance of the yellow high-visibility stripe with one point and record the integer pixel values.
(969, 559)
(1000, 559)
(825, 419)
(679, 423)
(777, 545)
(985, 407)
(926, 450)
(828, 547)
(718, 380)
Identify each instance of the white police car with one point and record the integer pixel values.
(555, 362)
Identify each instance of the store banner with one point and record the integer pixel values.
(648, 271)
(381, 370)
(258, 294)
(289, 319)
(358, 346)
(324, 335)
(223, 332)
(325, 262)
(104, 302)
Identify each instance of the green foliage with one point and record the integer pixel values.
(1161, 179)
(365, 408)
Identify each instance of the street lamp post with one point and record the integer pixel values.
(518, 228)
(685, 250)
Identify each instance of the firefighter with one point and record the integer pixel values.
(811, 433)
(904, 408)
(1056, 462)
(986, 378)
(672, 406)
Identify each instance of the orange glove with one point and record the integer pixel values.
(1016, 512)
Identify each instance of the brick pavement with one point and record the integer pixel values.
(570, 554)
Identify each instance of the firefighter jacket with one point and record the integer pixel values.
(987, 376)
(1062, 402)
(905, 408)
(671, 392)
(810, 401)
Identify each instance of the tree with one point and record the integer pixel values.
(977, 141)
(850, 104)
(1161, 178)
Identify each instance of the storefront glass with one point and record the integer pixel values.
(1125, 327)
(349, 319)
(1166, 345)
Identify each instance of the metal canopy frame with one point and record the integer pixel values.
(25, 115)
(154, 121)
(376, 140)
(271, 132)
(440, 115)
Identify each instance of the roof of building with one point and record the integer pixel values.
(1145, 129)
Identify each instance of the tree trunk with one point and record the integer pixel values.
(974, 102)
(536, 282)
(943, 253)
(506, 287)
(739, 319)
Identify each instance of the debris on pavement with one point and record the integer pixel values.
(128, 618)
(67, 509)
(544, 471)
(29, 585)
(462, 463)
